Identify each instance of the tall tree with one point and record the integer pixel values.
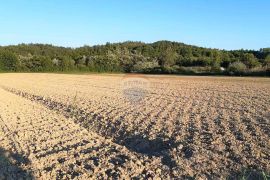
(250, 60)
(8, 61)
(167, 58)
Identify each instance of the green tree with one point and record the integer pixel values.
(267, 61)
(66, 63)
(225, 59)
(146, 66)
(250, 60)
(167, 58)
(215, 67)
(8, 61)
(38, 64)
(47, 64)
(237, 68)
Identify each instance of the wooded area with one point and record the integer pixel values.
(159, 58)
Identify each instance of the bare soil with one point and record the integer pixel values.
(56, 126)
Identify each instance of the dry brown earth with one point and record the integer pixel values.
(56, 126)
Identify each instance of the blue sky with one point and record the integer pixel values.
(224, 24)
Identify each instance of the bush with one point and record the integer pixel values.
(237, 68)
(267, 61)
(215, 67)
(146, 66)
(66, 64)
(250, 60)
(36, 64)
(187, 70)
(8, 61)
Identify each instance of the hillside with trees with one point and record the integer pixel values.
(162, 57)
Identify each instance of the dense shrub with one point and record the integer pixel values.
(237, 68)
(145, 66)
(36, 64)
(66, 63)
(8, 61)
(216, 67)
(267, 61)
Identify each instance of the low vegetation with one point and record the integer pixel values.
(159, 57)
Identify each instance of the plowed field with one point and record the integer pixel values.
(56, 126)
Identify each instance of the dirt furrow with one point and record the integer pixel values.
(56, 161)
(176, 127)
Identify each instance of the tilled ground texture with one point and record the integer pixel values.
(132, 126)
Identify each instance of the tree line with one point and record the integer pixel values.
(158, 57)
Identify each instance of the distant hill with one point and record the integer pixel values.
(129, 56)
